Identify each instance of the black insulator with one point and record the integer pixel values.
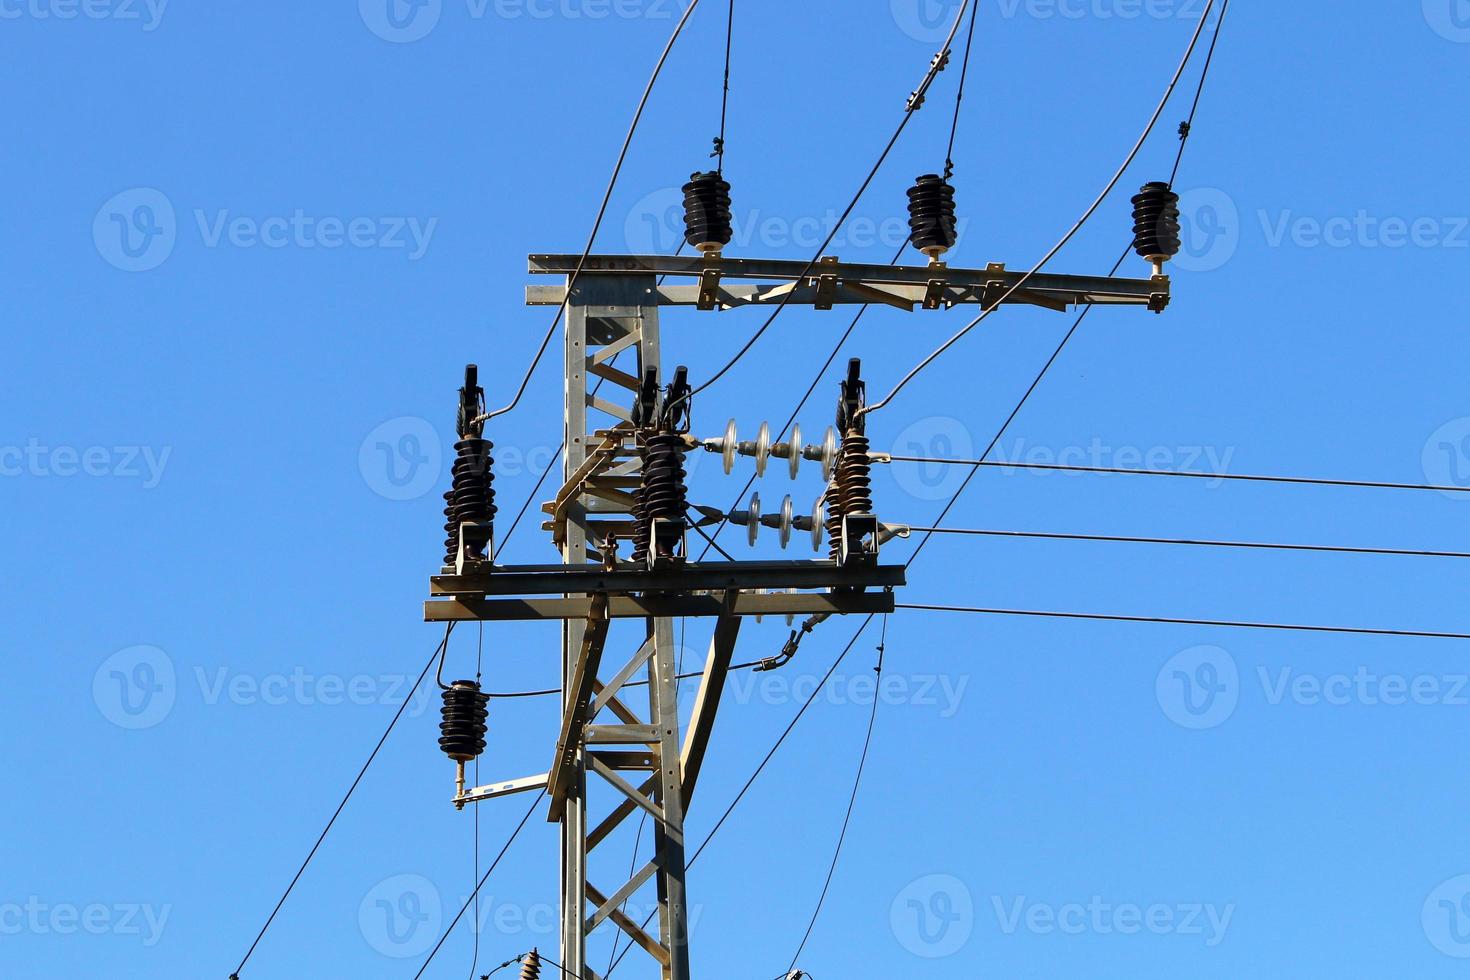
(707, 224)
(1156, 222)
(531, 966)
(471, 497)
(851, 491)
(662, 495)
(462, 730)
(932, 225)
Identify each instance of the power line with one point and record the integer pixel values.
(725, 95)
(1186, 129)
(915, 102)
(817, 690)
(486, 877)
(1106, 617)
(1086, 215)
(443, 644)
(851, 803)
(1237, 477)
(1124, 539)
(601, 213)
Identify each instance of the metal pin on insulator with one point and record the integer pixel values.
(1156, 224)
(707, 222)
(932, 225)
(471, 496)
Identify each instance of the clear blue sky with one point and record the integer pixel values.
(244, 244)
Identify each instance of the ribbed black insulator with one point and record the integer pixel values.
(1156, 221)
(531, 966)
(472, 495)
(462, 728)
(707, 221)
(851, 491)
(932, 224)
(662, 495)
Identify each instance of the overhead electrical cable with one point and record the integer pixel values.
(340, 806)
(1192, 542)
(1234, 624)
(1086, 216)
(601, 213)
(916, 100)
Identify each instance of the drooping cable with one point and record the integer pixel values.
(1234, 624)
(1086, 216)
(725, 93)
(601, 213)
(954, 126)
(342, 805)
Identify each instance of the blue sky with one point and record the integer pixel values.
(246, 245)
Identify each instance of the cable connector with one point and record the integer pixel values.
(1184, 130)
(792, 643)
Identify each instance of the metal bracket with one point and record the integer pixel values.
(709, 282)
(826, 282)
